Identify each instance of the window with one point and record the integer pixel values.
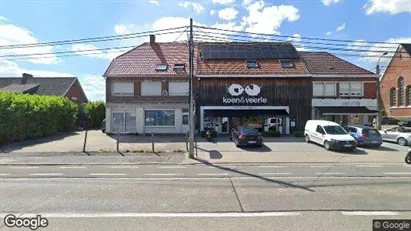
(150, 88)
(179, 67)
(320, 129)
(124, 122)
(348, 89)
(123, 89)
(185, 110)
(252, 64)
(408, 95)
(178, 88)
(324, 89)
(159, 117)
(393, 97)
(185, 119)
(286, 63)
(161, 67)
(401, 91)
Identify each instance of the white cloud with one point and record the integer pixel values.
(92, 51)
(296, 41)
(198, 8)
(223, 2)
(328, 2)
(3, 19)
(12, 34)
(389, 6)
(247, 2)
(328, 33)
(123, 29)
(12, 69)
(212, 12)
(169, 22)
(154, 2)
(268, 19)
(228, 13)
(94, 86)
(340, 28)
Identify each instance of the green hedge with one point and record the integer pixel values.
(299, 134)
(272, 134)
(25, 116)
(95, 112)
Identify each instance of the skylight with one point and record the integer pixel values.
(161, 67)
(179, 67)
(252, 64)
(286, 63)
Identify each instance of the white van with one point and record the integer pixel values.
(329, 134)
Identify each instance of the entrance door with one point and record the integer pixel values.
(124, 122)
(225, 128)
(184, 125)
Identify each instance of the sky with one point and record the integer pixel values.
(36, 21)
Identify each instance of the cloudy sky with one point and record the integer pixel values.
(34, 21)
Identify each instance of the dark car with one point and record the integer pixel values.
(103, 126)
(365, 136)
(244, 136)
(389, 121)
(406, 123)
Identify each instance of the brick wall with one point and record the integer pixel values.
(400, 66)
(77, 91)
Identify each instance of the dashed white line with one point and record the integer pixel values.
(24, 167)
(5, 174)
(330, 173)
(320, 166)
(171, 167)
(370, 213)
(397, 173)
(107, 174)
(274, 166)
(122, 167)
(274, 173)
(72, 167)
(369, 166)
(212, 174)
(46, 174)
(161, 174)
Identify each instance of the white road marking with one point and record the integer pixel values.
(397, 173)
(370, 213)
(171, 167)
(124, 166)
(330, 173)
(161, 174)
(212, 174)
(278, 166)
(274, 173)
(71, 167)
(5, 174)
(369, 166)
(23, 167)
(107, 174)
(111, 215)
(46, 174)
(320, 166)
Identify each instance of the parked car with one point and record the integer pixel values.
(389, 121)
(328, 134)
(103, 126)
(244, 135)
(399, 135)
(365, 136)
(405, 123)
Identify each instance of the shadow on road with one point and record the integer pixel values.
(254, 175)
(383, 149)
(263, 148)
(353, 152)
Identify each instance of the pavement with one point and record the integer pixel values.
(207, 197)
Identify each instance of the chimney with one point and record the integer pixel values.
(152, 39)
(25, 77)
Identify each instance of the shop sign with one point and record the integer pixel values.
(247, 95)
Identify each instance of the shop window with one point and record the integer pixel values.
(401, 91)
(150, 88)
(124, 122)
(408, 95)
(350, 89)
(393, 97)
(159, 118)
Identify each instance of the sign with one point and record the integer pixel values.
(344, 103)
(158, 116)
(237, 93)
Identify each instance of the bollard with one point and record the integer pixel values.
(152, 142)
(85, 141)
(118, 141)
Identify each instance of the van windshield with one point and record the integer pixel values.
(334, 130)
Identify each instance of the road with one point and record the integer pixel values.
(206, 197)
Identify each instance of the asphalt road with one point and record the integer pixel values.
(175, 197)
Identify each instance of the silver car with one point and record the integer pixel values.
(399, 135)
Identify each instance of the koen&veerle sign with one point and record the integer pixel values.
(247, 95)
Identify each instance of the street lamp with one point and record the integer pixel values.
(378, 91)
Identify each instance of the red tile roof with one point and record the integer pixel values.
(143, 60)
(324, 63)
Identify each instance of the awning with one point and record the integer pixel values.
(245, 113)
(345, 110)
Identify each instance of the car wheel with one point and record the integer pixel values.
(103, 131)
(307, 139)
(408, 159)
(401, 141)
(327, 145)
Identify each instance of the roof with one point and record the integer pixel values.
(407, 47)
(324, 63)
(20, 88)
(143, 60)
(46, 85)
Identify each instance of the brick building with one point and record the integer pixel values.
(395, 85)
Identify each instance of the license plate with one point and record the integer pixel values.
(252, 142)
(347, 145)
(374, 142)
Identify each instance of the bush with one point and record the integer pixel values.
(299, 134)
(272, 134)
(95, 112)
(25, 116)
(214, 134)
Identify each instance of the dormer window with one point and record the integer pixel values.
(161, 67)
(252, 63)
(286, 63)
(179, 67)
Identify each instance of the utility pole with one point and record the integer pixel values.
(377, 71)
(191, 94)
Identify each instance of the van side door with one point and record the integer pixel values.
(319, 134)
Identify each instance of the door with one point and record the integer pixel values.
(319, 135)
(124, 122)
(184, 125)
(225, 127)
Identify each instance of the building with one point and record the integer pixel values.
(247, 83)
(395, 85)
(342, 91)
(147, 89)
(69, 87)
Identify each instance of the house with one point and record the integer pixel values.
(395, 85)
(342, 91)
(147, 89)
(247, 83)
(69, 87)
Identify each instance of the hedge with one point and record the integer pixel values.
(95, 112)
(299, 134)
(25, 116)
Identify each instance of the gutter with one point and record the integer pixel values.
(257, 76)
